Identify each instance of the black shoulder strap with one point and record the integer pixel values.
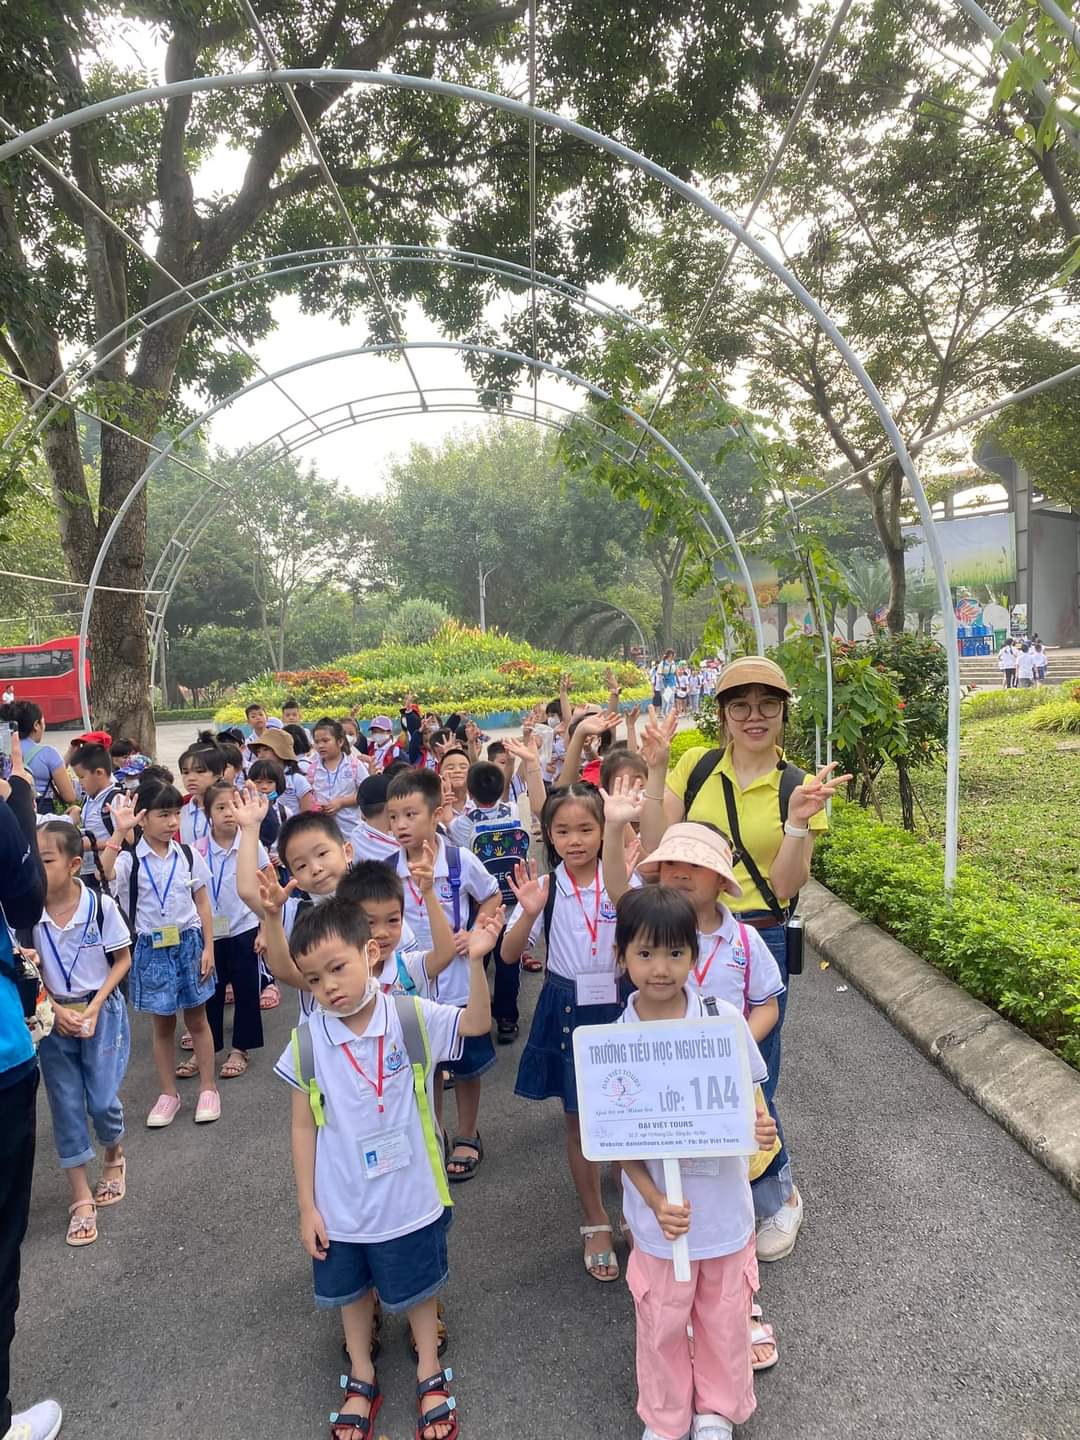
(189, 858)
(106, 808)
(549, 907)
(791, 777)
(133, 890)
(700, 773)
(771, 902)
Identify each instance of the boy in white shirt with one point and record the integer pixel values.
(94, 770)
(1025, 666)
(371, 836)
(412, 801)
(84, 951)
(374, 1208)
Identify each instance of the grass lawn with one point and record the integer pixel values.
(1019, 814)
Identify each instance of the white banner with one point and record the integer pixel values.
(665, 1090)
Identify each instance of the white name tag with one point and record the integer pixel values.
(221, 927)
(382, 1154)
(595, 987)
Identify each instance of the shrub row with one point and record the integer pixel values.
(987, 704)
(1021, 958)
(195, 713)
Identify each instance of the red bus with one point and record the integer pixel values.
(47, 675)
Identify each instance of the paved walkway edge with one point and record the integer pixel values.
(1020, 1084)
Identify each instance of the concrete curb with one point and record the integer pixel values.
(1020, 1084)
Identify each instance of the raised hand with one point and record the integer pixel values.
(484, 935)
(632, 853)
(529, 891)
(811, 798)
(655, 744)
(522, 750)
(272, 894)
(251, 806)
(611, 683)
(124, 815)
(625, 801)
(422, 871)
(598, 722)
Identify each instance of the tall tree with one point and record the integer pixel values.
(674, 79)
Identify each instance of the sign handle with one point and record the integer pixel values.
(680, 1248)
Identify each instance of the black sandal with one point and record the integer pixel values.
(506, 1031)
(368, 1391)
(442, 1414)
(468, 1163)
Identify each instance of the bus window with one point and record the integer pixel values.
(41, 663)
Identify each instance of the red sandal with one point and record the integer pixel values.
(361, 1424)
(442, 1414)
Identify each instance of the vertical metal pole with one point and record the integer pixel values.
(483, 595)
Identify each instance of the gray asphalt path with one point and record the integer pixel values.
(932, 1296)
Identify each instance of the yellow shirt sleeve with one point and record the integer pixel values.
(679, 777)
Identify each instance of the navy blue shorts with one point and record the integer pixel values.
(546, 1069)
(405, 1271)
(477, 1057)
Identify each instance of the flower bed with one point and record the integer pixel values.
(459, 669)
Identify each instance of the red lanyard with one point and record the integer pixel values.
(699, 975)
(376, 1085)
(414, 892)
(594, 928)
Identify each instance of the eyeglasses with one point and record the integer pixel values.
(768, 708)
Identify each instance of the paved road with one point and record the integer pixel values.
(933, 1294)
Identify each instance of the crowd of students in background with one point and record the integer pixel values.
(382, 874)
(1023, 663)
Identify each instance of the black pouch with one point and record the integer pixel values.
(794, 934)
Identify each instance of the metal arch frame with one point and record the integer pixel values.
(524, 112)
(175, 554)
(353, 352)
(601, 310)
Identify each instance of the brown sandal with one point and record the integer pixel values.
(187, 1068)
(235, 1064)
(111, 1192)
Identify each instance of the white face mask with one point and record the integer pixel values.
(370, 991)
(378, 737)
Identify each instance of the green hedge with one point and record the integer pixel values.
(686, 740)
(161, 716)
(986, 704)
(1017, 953)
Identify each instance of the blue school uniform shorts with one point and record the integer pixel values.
(546, 1070)
(405, 1271)
(476, 1058)
(167, 980)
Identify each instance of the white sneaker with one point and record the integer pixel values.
(711, 1427)
(40, 1422)
(777, 1235)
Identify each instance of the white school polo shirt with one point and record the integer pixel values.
(93, 823)
(477, 884)
(721, 1205)
(74, 957)
(194, 822)
(721, 966)
(296, 787)
(1025, 664)
(371, 844)
(355, 1207)
(179, 907)
(342, 779)
(224, 899)
(571, 944)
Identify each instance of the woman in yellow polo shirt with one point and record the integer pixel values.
(744, 789)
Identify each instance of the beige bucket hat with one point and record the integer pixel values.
(753, 670)
(694, 844)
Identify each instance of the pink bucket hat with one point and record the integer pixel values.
(694, 845)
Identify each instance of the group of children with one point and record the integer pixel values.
(380, 889)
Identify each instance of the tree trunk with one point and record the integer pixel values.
(667, 611)
(885, 505)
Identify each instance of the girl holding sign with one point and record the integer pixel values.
(709, 1390)
(572, 910)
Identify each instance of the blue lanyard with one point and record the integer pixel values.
(46, 927)
(215, 886)
(332, 779)
(153, 883)
(195, 814)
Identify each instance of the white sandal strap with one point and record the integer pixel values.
(595, 1229)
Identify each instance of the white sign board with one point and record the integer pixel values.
(665, 1089)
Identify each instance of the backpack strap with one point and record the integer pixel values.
(791, 777)
(303, 1053)
(418, 1049)
(700, 773)
(453, 874)
(106, 813)
(133, 883)
(549, 907)
(744, 941)
(405, 980)
(741, 854)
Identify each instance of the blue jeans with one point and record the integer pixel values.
(83, 1078)
(776, 1186)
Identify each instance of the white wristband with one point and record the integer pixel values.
(799, 831)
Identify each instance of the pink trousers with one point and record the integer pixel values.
(673, 1387)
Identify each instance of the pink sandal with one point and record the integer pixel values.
(270, 998)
